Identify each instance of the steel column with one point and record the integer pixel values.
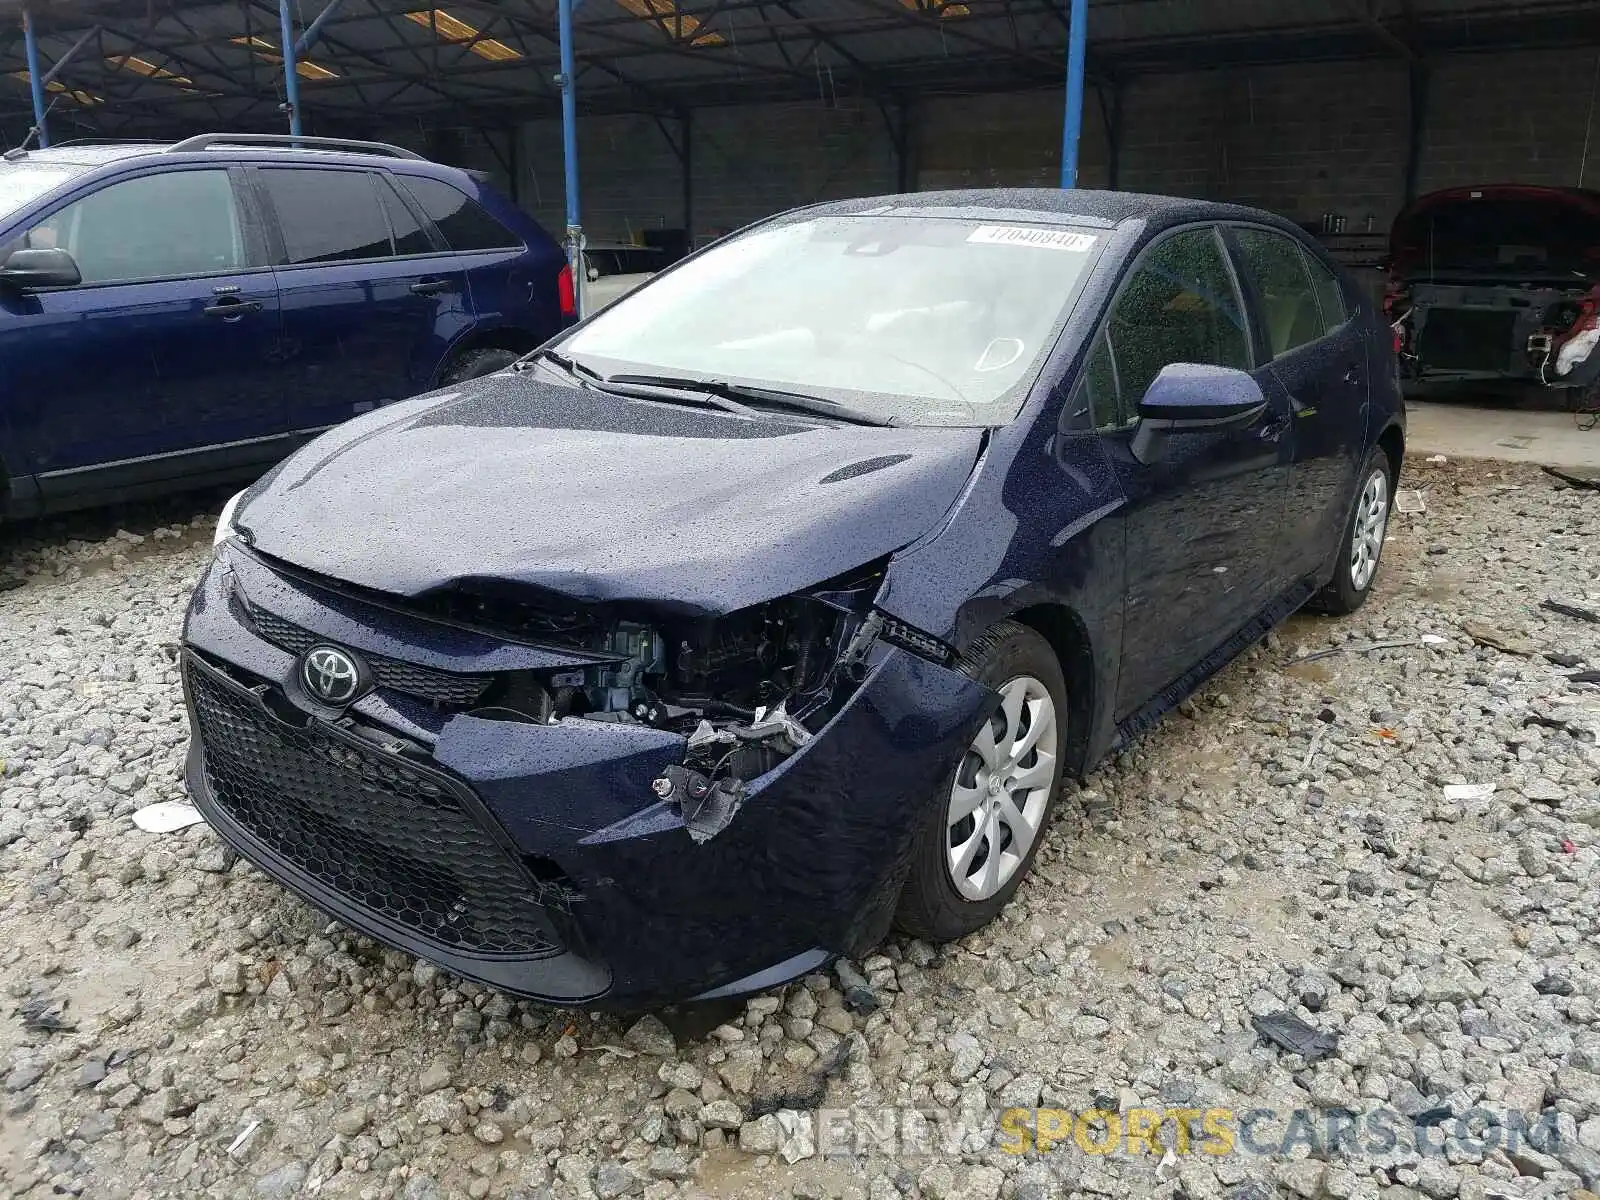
(1077, 48)
(291, 80)
(314, 30)
(55, 68)
(569, 150)
(30, 39)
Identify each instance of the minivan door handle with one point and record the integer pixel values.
(432, 287)
(230, 308)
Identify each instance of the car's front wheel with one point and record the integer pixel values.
(1356, 566)
(984, 828)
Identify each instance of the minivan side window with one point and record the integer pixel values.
(1330, 294)
(1289, 308)
(174, 223)
(326, 215)
(465, 224)
(1179, 305)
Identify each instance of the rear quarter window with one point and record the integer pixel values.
(464, 223)
(1330, 294)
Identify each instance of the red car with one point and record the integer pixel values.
(1498, 282)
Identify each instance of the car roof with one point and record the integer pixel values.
(1051, 206)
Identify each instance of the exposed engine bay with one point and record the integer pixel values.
(746, 690)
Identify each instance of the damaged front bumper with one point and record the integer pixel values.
(544, 858)
(1547, 335)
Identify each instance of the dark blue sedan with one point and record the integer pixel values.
(770, 607)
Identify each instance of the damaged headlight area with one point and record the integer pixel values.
(746, 690)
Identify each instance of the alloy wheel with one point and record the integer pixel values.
(1002, 790)
(1366, 536)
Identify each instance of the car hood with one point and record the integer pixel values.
(511, 480)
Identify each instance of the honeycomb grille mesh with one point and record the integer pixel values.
(440, 687)
(385, 836)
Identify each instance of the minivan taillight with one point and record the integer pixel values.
(566, 293)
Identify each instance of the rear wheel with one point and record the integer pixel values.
(983, 831)
(1361, 547)
(474, 364)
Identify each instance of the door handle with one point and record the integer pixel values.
(432, 287)
(231, 310)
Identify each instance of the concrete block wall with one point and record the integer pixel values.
(746, 164)
(1299, 140)
(1514, 118)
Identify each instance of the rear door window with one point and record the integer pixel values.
(328, 216)
(1180, 305)
(1330, 294)
(1277, 269)
(464, 223)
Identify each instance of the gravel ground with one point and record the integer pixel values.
(176, 1025)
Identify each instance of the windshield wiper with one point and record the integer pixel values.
(570, 365)
(745, 396)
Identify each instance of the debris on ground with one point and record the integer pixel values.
(41, 1015)
(1410, 502)
(1487, 635)
(1468, 791)
(167, 816)
(1294, 1035)
(1427, 639)
(1577, 478)
(1576, 611)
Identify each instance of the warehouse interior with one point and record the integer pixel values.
(711, 113)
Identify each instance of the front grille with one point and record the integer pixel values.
(393, 838)
(440, 687)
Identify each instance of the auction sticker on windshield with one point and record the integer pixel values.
(1024, 235)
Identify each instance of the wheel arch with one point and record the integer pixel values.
(499, 337)
(1068, 635)
(1392, 441)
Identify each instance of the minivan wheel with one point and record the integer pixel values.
(984, 827)
(474, 364)
(1361, 547)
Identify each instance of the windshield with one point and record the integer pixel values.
(925, 320)
(1518, 237)
(22, 183)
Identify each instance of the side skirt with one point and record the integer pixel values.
(1184, 686)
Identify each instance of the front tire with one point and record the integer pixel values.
(1361, 545)
(980, 836)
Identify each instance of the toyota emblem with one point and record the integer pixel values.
(331, 675)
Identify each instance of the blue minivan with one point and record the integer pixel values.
(176, 315)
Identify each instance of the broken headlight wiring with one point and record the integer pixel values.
(745, 690)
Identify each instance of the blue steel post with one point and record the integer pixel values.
(569, 151)
(1077, 44)
(314, 30)
(30, 39)
(291, 80)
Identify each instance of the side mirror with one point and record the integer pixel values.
(1194, 398)
(27, 269)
